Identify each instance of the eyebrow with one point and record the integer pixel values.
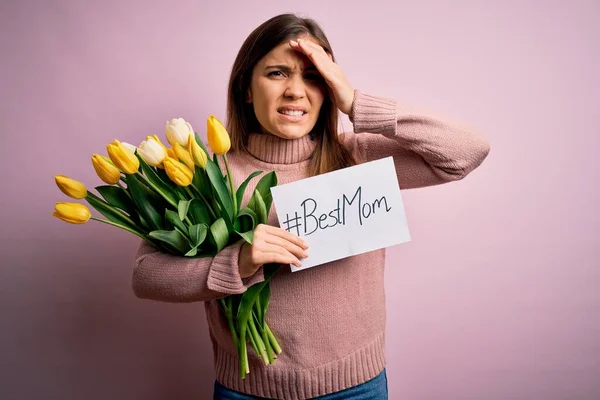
(287, 69)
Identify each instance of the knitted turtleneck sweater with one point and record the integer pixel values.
(330, 319)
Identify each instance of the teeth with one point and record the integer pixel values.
(297, 113)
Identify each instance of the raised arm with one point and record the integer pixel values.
(427, 149)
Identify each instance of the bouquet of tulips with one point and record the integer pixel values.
(180, 201)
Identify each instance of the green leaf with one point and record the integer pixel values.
(192, 252)
(117, 197)
(198, 233)
(264, 186)
(245, 221)
(198, 212)
(223, 195)
(173, 218)
(202, 183)
(248, 236)
(219, 234)
(182, 208)
(142, 201)
(264, 299)
(257, 204)
(173, 238)
(201, 144)
(158, 184)
(109, 212)
(242, 188)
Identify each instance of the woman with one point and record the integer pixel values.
(284, 95)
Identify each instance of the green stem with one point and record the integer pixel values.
(119, 226)
(107, 204)
(157, 190)
(259, 342)
(230, 321)
(188, 191)
(125, 190)
(272, 339)
(230, 178)
(210, 209)
(244, 367)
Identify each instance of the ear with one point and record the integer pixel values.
(249, 96)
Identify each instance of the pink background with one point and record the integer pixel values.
(496, 297)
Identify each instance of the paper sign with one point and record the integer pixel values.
(345, 212)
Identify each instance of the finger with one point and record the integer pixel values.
(289, 246)
(281, 259)
(313, 51)
(286, 235)
(269, 249)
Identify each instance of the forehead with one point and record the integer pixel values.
(284, 54)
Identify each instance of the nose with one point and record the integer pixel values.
(295, 88)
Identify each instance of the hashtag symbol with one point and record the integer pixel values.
(292, 223)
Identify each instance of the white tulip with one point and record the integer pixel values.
(129, 147)
(178, 131)
(152, 152)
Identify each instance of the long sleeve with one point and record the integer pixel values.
(166, 277)
(427, 150)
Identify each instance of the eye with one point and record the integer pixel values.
(275, 73)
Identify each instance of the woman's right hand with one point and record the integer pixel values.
(270, 245)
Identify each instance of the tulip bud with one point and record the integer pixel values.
(171, 153)
(123, 158)
(178, 172)
(178, 130)
(72, 213)
(70, 187)
(218, 138)
(129, 146)
(198, 155)
(158, 140)
(183, 155)
(105, 169)
(152, 151)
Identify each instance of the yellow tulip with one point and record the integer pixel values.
(182, 154)
(72, 213)
(218, 138)
(198, 155)
(123, 158)
(171, 153)
(70, 187)
(178, 172)
(105, 169)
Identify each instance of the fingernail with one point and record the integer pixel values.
(293, 42)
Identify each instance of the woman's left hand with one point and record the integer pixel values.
(330, 71)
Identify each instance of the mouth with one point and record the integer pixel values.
(292, 111)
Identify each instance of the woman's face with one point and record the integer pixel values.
(286, 92)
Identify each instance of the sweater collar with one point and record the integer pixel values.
(275, 150)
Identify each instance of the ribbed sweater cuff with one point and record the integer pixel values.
(224, 275)
(373, 114)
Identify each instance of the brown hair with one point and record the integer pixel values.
(329, 154)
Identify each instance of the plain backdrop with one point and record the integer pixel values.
(496, 296)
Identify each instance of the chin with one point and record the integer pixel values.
(291, 132)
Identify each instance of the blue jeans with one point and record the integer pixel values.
(374, 389)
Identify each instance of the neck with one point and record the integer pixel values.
(275, 150)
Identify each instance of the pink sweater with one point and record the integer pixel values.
(330, 320)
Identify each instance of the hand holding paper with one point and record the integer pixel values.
(345, 212)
